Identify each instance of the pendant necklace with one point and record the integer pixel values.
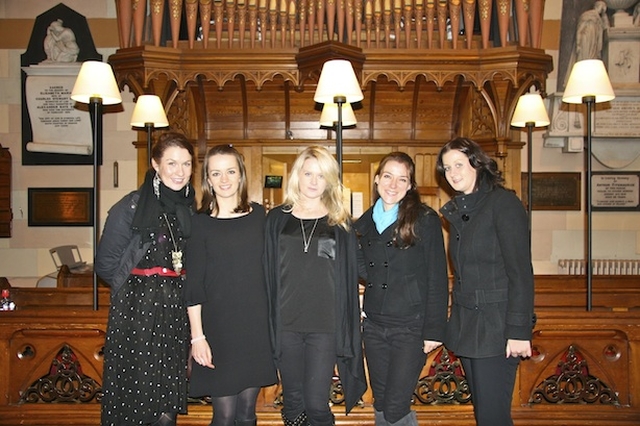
(176, 255)
(306, 243)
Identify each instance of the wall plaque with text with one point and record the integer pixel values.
(60, 206)
(615, 191)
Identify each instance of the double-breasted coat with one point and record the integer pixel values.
(493, 278)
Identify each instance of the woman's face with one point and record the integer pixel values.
(312, 183)
(174, 168)
(393, 183)
(223, 175)
(459, 172)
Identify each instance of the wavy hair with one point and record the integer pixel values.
(209, 203)
(410, 207)
(332, 196)
(485, 166)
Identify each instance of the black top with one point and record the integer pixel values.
(308, 284)
(225, 276)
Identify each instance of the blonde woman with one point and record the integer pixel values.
(312, 280)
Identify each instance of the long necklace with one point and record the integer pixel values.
(176, 255)
(306, 243)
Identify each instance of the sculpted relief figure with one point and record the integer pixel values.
(590, 33)
(60, 43)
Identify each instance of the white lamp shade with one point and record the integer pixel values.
(530, 109)
(337, 79)
(96, 80)
(329, 115)
(149, 109)
(588, 78)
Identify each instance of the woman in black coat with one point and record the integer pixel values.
(403, 261)
(492, 318)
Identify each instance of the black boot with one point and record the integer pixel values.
(301, 420)
(165, 419)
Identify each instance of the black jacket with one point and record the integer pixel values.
(405, 284)
(349, 342)
(493, 277)
(119, 249)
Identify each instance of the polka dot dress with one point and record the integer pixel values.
(146, 346)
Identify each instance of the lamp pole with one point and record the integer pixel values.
(530, 125)
(589, 101)
(149, 127)
(95, 112)
(339, 100)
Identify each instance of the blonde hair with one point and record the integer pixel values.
(332, 196)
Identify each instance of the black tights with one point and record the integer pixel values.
(240, 407)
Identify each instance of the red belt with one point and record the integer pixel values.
(158, 270)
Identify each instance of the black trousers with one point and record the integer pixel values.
(491, 382)
(306, 367)
(394, 358)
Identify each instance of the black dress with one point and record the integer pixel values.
(147, 341)
(226, 277)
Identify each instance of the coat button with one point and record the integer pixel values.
(389, 243)
(384, 286)
(371, 264)
(369, 285)
(457, 236)
(386, 264)
(369, 243)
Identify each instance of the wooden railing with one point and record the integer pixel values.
(585, 369)
(410, 24)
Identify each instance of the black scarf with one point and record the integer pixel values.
(150, 207)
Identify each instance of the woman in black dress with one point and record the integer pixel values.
(226, 294)
(140, 256)
(312, 280)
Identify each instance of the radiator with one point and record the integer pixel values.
(600, 266)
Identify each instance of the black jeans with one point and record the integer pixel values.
(395, 359)
(306, 367)
(491, 382)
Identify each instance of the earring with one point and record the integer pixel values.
(156, 186)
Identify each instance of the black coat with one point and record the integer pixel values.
(348, 336)
(493, 277)
(405, 284)
(119, 249)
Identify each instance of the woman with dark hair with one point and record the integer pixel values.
(140, 255)
(226, 293)
(403, 263)
(312, 279)
(492, 317)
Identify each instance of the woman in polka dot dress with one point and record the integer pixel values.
(140, 256)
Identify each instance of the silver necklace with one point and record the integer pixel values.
(306, 243)
(176, 255)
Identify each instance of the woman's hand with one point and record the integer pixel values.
(518, 348)
(430, 345)
(201, 353)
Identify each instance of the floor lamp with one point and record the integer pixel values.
(588, 84)
(530, 113)
(338, 84)
(96, 85)
(149, 113)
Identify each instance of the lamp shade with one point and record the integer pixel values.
(149, 109)
(530, 109)
(588, 78)
(329, 115)
(96, 80)
(338, 79)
